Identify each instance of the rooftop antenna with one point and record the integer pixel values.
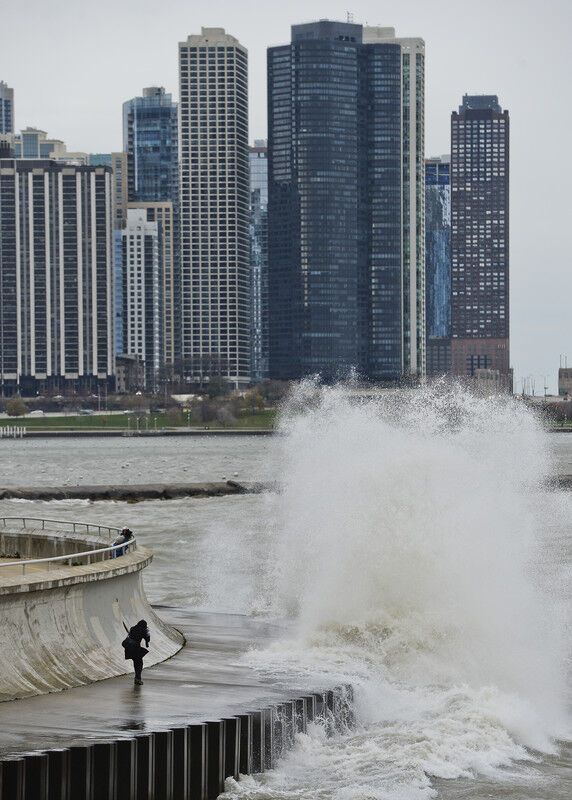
(350, 16)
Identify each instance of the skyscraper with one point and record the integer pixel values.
(150, 130)
(161, 214)
(438, 264)
(214, 208)
(258, 156)
(346, 203)
(150, 141)
(142, 294)
(480, 237)
(6, 108)
(56, 282)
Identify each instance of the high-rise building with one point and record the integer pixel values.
(346, 204)
(258, 156)
(119, 196)
(142, 294)
(34, 143)
(214, 208)
(150, 131)
(100, 159)
(56, 281)
(162, 215)
(6, 108)
(438, 264)
(150, 141)
(480, 237)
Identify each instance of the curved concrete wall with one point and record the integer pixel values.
(64, 628)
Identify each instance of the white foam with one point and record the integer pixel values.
(413, 547)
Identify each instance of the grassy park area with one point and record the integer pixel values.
(263, 419)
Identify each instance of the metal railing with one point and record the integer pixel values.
(76, 527)
(63, 525)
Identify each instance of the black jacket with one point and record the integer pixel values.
(132, 644)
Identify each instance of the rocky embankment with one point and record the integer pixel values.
(131, 492)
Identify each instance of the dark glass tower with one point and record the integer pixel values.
(6, 108)
(346, 259)
(150, 141)
(258, 159)
(480, 237)
(438, 264)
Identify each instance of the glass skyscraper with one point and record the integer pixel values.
(346, 204)
(438, 264)
(150, 141)
(480, 237)
(258, 156)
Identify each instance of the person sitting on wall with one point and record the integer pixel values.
(133, 649)
(123, 538)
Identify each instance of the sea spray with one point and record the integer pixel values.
(410, 548)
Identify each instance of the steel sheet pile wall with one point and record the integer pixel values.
(185, 763)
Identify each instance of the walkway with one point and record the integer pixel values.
(201, 682)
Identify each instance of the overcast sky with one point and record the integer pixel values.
(72, 64)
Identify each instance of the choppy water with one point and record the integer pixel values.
(419, 555)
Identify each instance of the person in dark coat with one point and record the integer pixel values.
(125, 536)
(133, 649)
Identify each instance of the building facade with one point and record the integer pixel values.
(142, 294)
(346, 204)
(565, 382)
(480, 237)
(258, 156)
(150, 141)
(6, 108)
(56, 281)
(438, 264)
(163, 215)
(215, 268)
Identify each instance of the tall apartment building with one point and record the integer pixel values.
(150, 141)
(6, 108)
(346, 203)
(214, 208)
(480, 237)
(142, 293)
(161, 214)
(258, 156)
(150, 130)
(56, 281)
(438, 264)
(119, 195)
(34, 143)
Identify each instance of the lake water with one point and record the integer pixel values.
(419, 556)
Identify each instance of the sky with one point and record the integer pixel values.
(72, 63)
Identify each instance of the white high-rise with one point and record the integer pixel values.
(56, 281)
(142, 293)
(413, 194)
(214, 208)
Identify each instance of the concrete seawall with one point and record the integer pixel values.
(188, 762)
(64, 627)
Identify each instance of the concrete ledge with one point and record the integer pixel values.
(64, 628)
(59, 576)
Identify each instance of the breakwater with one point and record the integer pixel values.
(187, 762)
(132, 491)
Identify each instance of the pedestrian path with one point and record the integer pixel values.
(203, 681)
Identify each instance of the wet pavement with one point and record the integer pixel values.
(204, 681)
